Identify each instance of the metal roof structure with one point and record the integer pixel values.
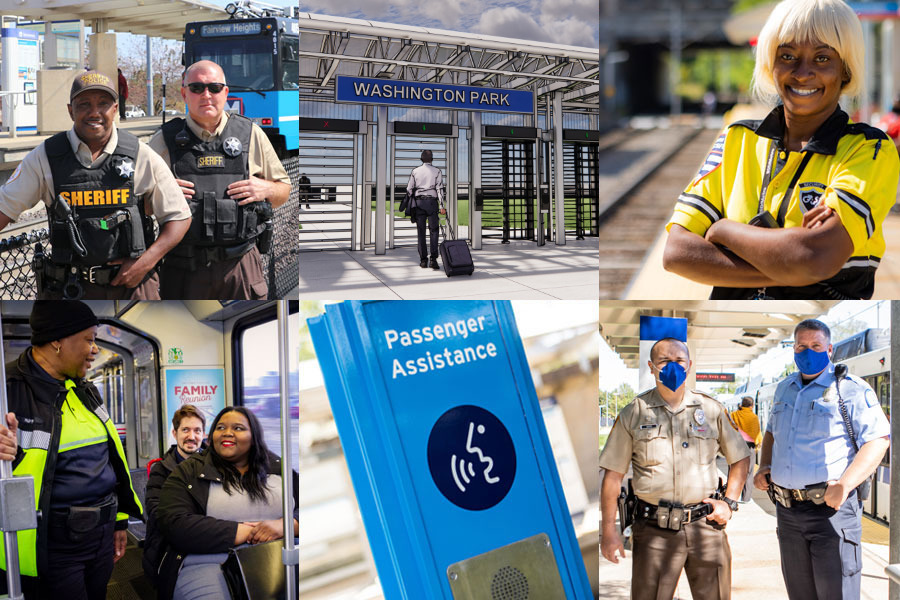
(722, 334)
(331, 46)
(156, 18)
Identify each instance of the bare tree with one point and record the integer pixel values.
(165, 60)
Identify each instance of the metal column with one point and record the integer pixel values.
(381, 158)
(393, 186)
(366, 202)
(451, 182)
(557, 171)
(290, 554)
(894, 511)
(10, 538)
(356, 185)
(474, 179)
(149, 78)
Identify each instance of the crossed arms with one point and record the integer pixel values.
(735, 254)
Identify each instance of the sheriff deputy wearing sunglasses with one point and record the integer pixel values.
(101, 187)
(232, 179)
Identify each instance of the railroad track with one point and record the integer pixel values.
(629, 228)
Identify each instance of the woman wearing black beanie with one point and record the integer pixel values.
(64, 438)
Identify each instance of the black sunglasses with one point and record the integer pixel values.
(197, 87)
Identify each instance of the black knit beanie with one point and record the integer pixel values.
(55, 319)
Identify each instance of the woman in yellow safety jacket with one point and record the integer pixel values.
(792, 206)
(67, 442)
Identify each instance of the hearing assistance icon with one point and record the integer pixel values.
(471, 457)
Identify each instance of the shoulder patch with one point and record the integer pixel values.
(871, 398)
(713, 159)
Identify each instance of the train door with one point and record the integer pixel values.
(329, 203)
(125, 374)
(508, 183)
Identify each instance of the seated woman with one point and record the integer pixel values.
(791, 207)
(228, 496)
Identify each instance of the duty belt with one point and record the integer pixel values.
(67, 279)
(786, 496)
(672, 515)
(81, 519)
(190, 258)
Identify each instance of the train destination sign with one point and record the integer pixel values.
(361, 90)
(723, 377)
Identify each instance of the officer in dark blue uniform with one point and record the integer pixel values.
(812, 470)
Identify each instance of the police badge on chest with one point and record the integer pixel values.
(810, 193)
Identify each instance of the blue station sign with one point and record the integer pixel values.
(361, 90)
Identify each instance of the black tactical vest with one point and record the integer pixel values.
(95, 216)
(212, 166)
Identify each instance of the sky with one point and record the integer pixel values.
(570, 22)
(770, 364)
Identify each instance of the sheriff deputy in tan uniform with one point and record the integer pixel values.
(220, 176)
(671, 436)
(101, 236)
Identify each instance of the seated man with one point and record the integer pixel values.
(188, 424)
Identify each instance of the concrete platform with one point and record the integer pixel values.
(519, 270)
(756, 563)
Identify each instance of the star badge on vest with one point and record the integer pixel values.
(125, 168)
(810, 193)
(232, 146)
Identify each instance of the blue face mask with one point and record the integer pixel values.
(672, 375)
(811, 362)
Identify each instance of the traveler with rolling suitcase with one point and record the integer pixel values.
(424, 189)
(455, 254)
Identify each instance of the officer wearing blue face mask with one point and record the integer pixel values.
(670, 436)
(812, 470)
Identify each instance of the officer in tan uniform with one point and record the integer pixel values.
(232, 178)
(670, 436)
(101, 236)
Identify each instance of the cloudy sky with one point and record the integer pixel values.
(571, 22)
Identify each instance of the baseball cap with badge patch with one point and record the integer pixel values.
(92, 80)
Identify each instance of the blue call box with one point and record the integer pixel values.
(447, 449)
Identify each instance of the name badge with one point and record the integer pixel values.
(211, 161)
(649, 426)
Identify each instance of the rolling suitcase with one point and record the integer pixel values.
(455, 256)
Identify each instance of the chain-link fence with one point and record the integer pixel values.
(16, 276)
(281, 265)
(285, 255)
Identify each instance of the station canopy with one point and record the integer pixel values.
(723, 334)
(360, 48)
(156, 18)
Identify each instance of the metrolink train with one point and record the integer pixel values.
(156, 355)
(867, 355)
(259, 51)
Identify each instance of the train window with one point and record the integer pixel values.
(257, 381)
(290, 63)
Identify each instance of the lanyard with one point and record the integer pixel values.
(767, 178)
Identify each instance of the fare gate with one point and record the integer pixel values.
(581, 168)
(406, 153)
(328, 214)
(507, 179)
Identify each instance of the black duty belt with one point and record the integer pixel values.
(787, 496)
(81, 519)
(672, 515)
(100, 274)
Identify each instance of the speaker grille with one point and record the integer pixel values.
(509, 584)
